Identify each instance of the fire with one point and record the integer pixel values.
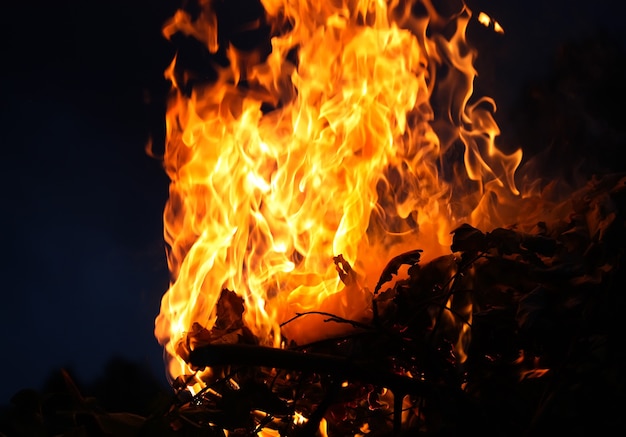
(486, 21)
(354, 132)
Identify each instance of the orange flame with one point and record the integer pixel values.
(358, 155)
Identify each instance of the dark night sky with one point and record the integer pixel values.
(83, 261)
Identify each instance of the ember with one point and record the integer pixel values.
(349, 250)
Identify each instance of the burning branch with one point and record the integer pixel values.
(365, 371)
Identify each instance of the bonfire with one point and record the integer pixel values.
(352, 254)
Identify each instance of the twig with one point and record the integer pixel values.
(331, 318)
(450, 285)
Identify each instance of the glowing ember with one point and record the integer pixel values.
(343, 139)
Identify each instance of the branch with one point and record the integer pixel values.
(365, 371)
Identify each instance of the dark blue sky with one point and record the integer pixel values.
(83, 263)
(83, 258)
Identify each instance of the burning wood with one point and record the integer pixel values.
(348, 132)
(403, 373)
(279, 165)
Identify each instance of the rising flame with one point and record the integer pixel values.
(355, 133)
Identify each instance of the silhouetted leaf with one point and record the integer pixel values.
(467, 238)
(410, 258)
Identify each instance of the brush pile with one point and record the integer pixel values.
(511, 334)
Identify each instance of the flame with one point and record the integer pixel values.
(486, 21)
(341, 137)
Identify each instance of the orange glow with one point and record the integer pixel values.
(365, 153)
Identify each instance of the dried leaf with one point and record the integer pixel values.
(467, 238)
(230, 308)
(505, 241)
(531, 309)
(374, 399)
(344, 269)
(410, 258)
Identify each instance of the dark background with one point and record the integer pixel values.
(82, 92)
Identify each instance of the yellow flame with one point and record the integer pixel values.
(486, 21)
(356, 158)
